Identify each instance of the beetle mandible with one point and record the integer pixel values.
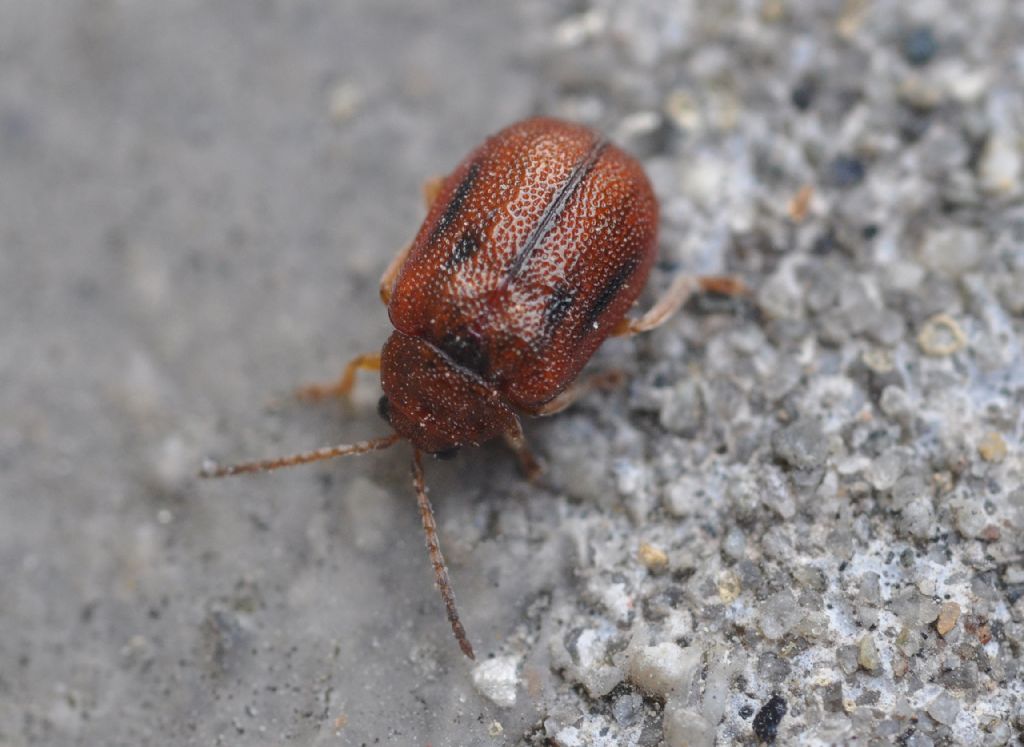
(532, 251)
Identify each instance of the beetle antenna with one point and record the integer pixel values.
(436, 558)
(211, 469)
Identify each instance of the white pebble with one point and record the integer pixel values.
(496, 679)
(999, 167)
(660, 669)
(684, 727)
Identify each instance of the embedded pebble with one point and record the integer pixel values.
(685, 727)
(941, 336)
(735, 543)
(846, 658)
(992, 447)
(586, 657)
(684, 411)
(944, 708)
(801, 445)
(878, 360)
(496, 679)
(867, 655)
(628, 708)
(662, 668)
(949, 613)
(896, 403)
(870, 590)
(917, 518)
(845, 171)
(921, 92)
(729, 587)
(971, 518)
(769, 717)
(1001, 164)
(780, 296)
(724, 663)
(908, 489)
(779, 615)
(951, 250)
(884, 471)
(919, 45)
(653, 558)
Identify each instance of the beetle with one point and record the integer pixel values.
(532, 251)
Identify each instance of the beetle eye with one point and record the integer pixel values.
(384, 408)
(447, 453)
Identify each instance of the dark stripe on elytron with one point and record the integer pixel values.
(561, 300)
(608, 293)
(455, 204)
(465, 247)
(557, 205)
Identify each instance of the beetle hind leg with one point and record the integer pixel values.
(673, 299)
(343, 386)
(603, 381)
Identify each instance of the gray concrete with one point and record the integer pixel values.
(815, 494)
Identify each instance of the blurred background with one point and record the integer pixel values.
(800, 518)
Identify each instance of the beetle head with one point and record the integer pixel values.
(434, 402)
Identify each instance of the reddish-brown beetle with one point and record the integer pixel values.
(532, 251)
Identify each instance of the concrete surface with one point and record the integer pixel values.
(800, 520)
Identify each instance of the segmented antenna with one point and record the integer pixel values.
(436, 558)
(211, 469)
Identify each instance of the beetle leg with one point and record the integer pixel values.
(341, 387)
(681, 289)
(387, 280)
(436, 558)
(599, 381)
(528, 463)
(431, 189)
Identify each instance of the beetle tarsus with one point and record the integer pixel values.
(343, 386)
(723, 285)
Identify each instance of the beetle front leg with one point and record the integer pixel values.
(528, 463)
(343, 386)
(678, 293)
